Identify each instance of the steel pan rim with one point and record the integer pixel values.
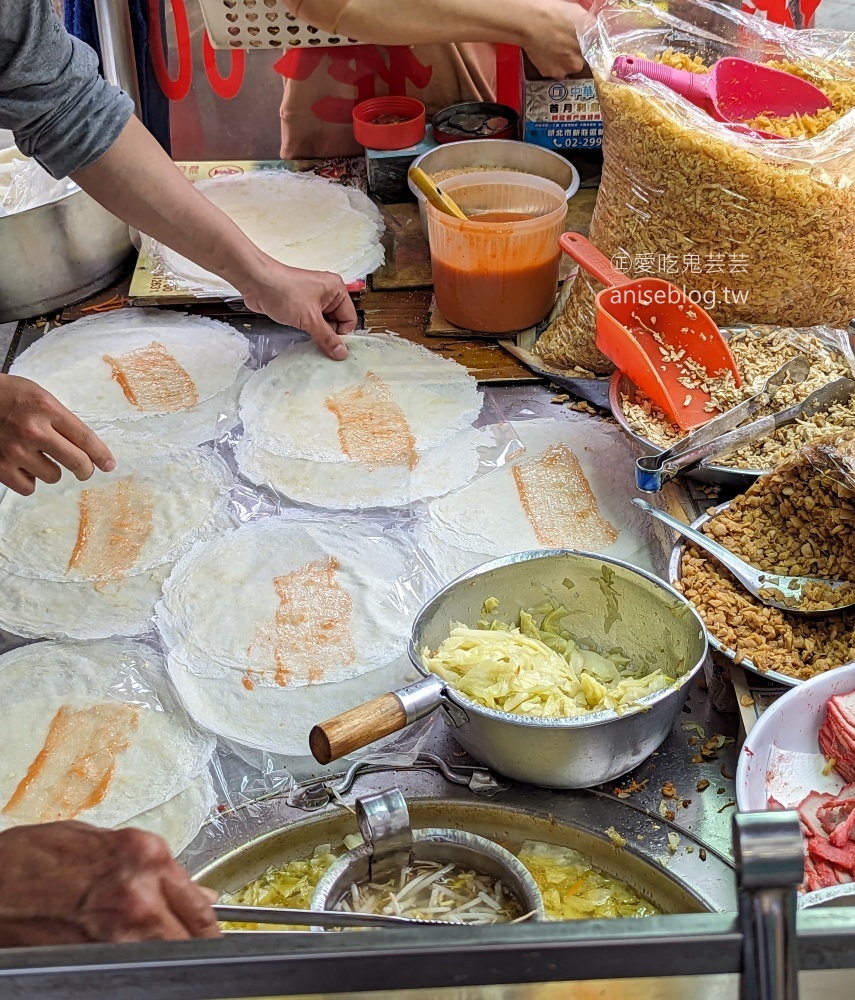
(592, 719)
(45, 204)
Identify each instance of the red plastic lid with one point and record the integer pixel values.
(389, 122)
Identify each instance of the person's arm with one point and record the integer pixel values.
(137, 181)
(38, 434)
(74, 123)
(546, 29)
(71, 883)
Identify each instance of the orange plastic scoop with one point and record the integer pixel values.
(651, 330)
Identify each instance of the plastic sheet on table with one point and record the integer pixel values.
(24, 184)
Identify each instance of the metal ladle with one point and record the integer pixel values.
(761, 584)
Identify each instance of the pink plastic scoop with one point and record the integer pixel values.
(734, 90)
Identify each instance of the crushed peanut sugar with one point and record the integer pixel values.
(797, 521)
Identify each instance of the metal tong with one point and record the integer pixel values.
(724, 433)
(313, 918)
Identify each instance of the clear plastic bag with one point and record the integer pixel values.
(758, 231)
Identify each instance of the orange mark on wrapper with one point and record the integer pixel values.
(153, 381)
(115, 522)
(372, 427)
(559, 504)
(310, 633)
(73, 770)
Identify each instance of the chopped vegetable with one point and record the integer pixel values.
(573, 889)
(427, 890)
(291, 885)
(539, 668)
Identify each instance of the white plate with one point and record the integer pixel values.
(792, 723)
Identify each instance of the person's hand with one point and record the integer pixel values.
(35, 428)
(315, 301)
(70, 883)
(556, 52)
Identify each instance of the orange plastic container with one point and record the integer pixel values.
(500, 274)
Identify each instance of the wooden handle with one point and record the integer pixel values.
(434, 195)
(357, 728)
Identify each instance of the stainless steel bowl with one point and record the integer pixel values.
(455, 846)
(58, 253)
(656, 625)
(675, 572)
(495, 153)
(244, 843)
(622, 385)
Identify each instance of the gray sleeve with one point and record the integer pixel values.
(52, 97)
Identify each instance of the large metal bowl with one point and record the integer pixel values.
(656, 626)
(238, 847)
(622, 385)
(58, 253)
(495, 153)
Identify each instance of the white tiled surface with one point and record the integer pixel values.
(838, 14)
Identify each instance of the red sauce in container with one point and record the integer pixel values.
(497, 273)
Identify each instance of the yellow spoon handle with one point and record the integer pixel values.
(433, 194)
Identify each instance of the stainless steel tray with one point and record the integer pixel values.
(674, 572)
(721, 475)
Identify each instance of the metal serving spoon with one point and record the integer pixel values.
(313, 918)
(764, 586)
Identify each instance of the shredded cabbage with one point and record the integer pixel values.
(538, 668)
(291, 885)
(573, 889)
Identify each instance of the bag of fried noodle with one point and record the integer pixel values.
(756, 230)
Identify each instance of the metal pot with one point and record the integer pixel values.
(506, 153)
(390, 845)
(58, 253)
(553, 753)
